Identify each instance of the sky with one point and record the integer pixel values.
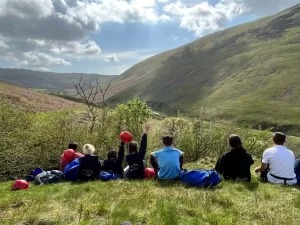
(110, 36)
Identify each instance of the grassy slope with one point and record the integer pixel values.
(150, 202)
(33, 101)
(247, 71)
(47, 81)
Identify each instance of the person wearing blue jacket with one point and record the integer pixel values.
(168, 161)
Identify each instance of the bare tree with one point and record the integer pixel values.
(89, 97)
(103, 92)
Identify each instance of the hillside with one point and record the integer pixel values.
(33, 101)
(250, 71)
(48, 81)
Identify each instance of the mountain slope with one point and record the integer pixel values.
(47, 80)
(33, 101)
(250, 71)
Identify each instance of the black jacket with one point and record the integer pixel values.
(135, 161)
(235, 165)
(115, 165)
(89, 168)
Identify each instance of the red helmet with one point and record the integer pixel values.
(126, 137)
(149, 173)
(20, 184)
(68, 155)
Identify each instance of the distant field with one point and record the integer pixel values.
(34, 101)
(49, 81)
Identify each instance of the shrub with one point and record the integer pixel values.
(29, 140)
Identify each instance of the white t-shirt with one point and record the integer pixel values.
(281, 163)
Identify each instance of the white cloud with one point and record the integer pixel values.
(163, 1)
(204, 17)
(70, 48)
(40, 59)
(43, 69)
(39, 30)
(111, 58)
(175, 38)
(165, 18)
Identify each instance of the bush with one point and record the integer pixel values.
(29, 140)
(37, 140)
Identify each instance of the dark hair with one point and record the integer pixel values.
(73, 146)
(112, 154)
(279, 138)
(167, 140)
(235, 142)
(133, 146)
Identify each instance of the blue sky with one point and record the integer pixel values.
(109, 36)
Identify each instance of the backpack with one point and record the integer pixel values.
(30, 176)
(89, 168)
(106, 176)
(49, 177)
(200, 178)
(71, 171)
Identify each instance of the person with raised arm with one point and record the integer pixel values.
(135, 158)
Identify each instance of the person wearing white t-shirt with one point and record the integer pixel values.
(278, 162)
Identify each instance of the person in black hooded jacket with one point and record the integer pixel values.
(135, 159)
(89, 164)
(113, 164)
(235, 164)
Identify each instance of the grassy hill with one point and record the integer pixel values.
(48, 81)
(249, 71)
(150, 203)
(30, 100)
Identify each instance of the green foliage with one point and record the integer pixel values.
(199, 138)
(29, 140)
(132, 115)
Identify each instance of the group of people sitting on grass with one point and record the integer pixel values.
(278, 163)
(166, 163)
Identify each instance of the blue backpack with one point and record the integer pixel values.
(71, 171)
(30, 177)
(200, 177)
(105, 176)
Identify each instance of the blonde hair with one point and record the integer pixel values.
(88, 149)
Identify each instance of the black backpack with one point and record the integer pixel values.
(89, 168)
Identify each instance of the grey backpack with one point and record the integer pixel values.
(49, 177)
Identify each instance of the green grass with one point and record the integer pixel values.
(150, 202)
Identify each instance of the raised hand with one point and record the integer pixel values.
(147, 128)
